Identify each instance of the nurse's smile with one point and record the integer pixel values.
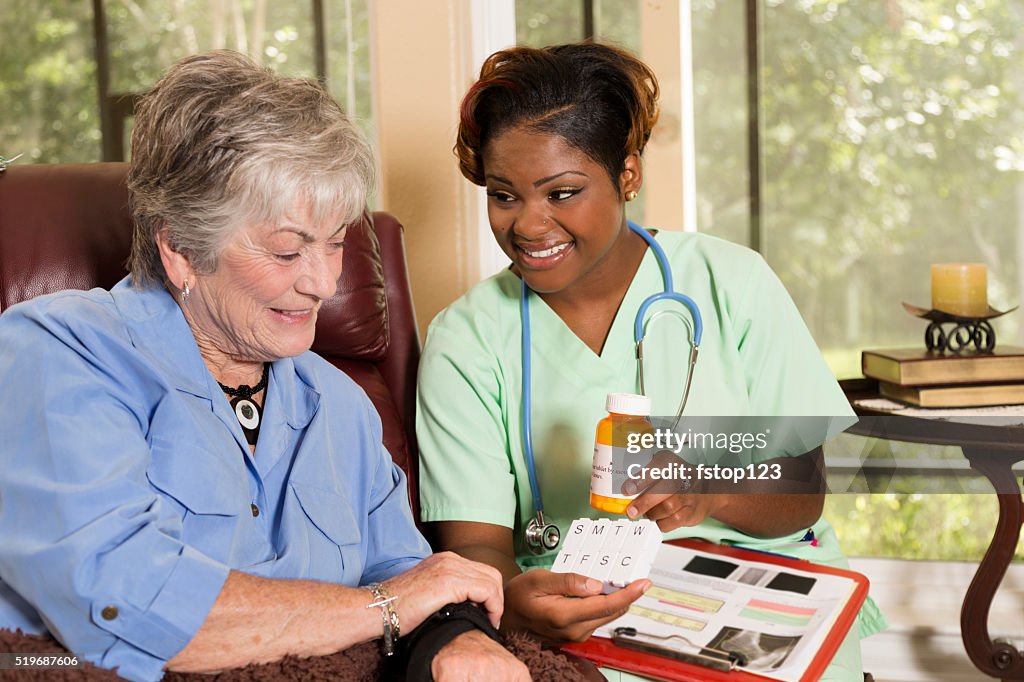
(533, 257)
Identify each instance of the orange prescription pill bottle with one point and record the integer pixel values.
(628, 414)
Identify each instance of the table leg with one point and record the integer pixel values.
(999, 660)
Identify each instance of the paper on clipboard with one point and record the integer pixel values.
(786, 617)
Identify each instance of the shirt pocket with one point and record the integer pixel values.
(202, 492)
(335, 546)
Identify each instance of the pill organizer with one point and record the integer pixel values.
(616, 552)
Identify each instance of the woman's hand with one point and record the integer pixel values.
(781, 505)
(445, 578)
(563, 607)
(672, 503)
(474, 656)
(676, 510)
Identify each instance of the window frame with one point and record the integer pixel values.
(116, 108)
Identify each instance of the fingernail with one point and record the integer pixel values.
(631, 512)
(629, 488)
(593, 585)
(648, 586)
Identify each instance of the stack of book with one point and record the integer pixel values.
(929, 379)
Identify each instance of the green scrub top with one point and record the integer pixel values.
(756, 358)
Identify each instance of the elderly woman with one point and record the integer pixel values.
(183, 486)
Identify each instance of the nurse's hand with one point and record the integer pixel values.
(788, 501)
(560, 607)
(673, 511)
(475, 656)
(673, 502)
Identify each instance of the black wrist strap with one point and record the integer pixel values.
(447, 623)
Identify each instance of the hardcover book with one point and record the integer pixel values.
(919, 367)
(962, 395)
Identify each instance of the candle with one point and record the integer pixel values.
(960, 289)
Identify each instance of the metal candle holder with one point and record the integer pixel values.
(966, 331)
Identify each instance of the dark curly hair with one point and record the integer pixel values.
(600, 99)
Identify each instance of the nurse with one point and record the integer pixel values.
(555, 135)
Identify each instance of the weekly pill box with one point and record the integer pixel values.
(616, 552)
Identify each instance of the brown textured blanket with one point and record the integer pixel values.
(362, 662)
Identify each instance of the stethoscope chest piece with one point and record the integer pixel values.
(541, 536)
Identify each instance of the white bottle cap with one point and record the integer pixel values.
(628, 403)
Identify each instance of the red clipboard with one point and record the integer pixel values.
(604, 652)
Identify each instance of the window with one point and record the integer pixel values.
(72, 71)
(48, 83)
(547, 22)
(888, 138)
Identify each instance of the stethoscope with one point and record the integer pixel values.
(541, 536)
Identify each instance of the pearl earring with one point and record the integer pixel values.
(630, 195)
(185, 293)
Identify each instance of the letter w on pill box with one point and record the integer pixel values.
(614, 552)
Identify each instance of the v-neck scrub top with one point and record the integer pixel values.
(756, 358)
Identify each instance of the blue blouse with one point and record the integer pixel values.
(128, 492)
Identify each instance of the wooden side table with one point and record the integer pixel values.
(991, 450)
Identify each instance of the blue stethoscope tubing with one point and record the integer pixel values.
(541, 536)
(669, 294)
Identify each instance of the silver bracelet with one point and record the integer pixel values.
(386, 602)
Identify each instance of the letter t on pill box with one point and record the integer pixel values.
(614, 552)
(573, 543)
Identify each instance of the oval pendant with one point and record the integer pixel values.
(247, 413)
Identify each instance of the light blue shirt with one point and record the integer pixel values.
(127, 487)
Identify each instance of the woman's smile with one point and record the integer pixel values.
(542, 257)
(295, 315)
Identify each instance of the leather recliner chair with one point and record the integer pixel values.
(67, 227)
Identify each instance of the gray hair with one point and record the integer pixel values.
(220, 141)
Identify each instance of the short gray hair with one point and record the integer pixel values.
(219, 141)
